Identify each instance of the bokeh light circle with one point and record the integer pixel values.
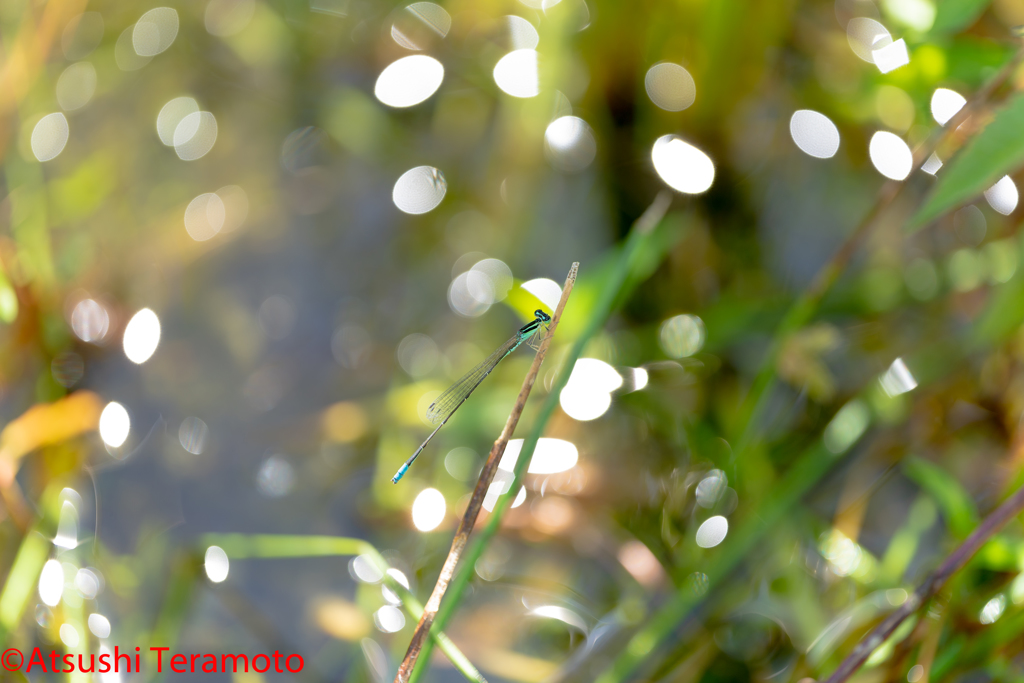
(945, 104)
(682, 335)
(1003, 196)
(428, 510)
(141, 336)
(114, 424)
(517, 73)
(712, 532)
(205, 216)
(670, 86)
(155, 31)
(194, 135)
(171, 115)
(90, 321)
(569, 144)
(890, 155)
(409, 81)
(419, 190)
(682, 166)
(216, 564)
(814, 133)
(76, 86)
(50, 136)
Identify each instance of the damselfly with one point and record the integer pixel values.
(454, 396)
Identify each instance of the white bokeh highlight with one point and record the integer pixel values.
(428, 509)
(891, 57)
(204, 216)
(1003, 196)
(517, 74)
(932, 164)
(814, 133)
(76, 86)
(890, 155)
(216, 564)
(49, 136)
(945, 104)
(569, 144)
(51, 583)
(409, 81)
(682, 166)
(897, 379)
(587, 394)
(549, 457)
(419, 190)
(195, 135)
(170, 116)
(155, 31)
(114, 424)
(866, 35)
(547, 291)
(670, 86)
(142, 336)
(712, 531)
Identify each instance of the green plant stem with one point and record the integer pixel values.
(21, 581)
(612, 291)
(74, 614)
(269, 546)
(33, 552)
(177, 600)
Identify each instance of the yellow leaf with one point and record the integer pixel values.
(50, 423)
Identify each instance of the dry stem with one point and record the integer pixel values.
(1010, 508)
(482, 486)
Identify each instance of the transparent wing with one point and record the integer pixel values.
(538, 337)
(445, 404)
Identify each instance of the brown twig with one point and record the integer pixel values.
(482, 486)
(1002, 514)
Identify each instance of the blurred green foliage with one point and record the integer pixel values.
(819, 372)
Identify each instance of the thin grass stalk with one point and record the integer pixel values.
(177, 601)
(419, 637)
(270, 546)
(1009, 509)
(35, 549)
(21, 581)
(612, 291)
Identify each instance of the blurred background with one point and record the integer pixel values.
(245, 243)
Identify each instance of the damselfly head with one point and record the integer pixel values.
(542, 316)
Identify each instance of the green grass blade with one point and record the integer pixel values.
(995, 151)
(21, 581)
(269, 546)
(957, 507)
(953, 15)
(633, 261)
